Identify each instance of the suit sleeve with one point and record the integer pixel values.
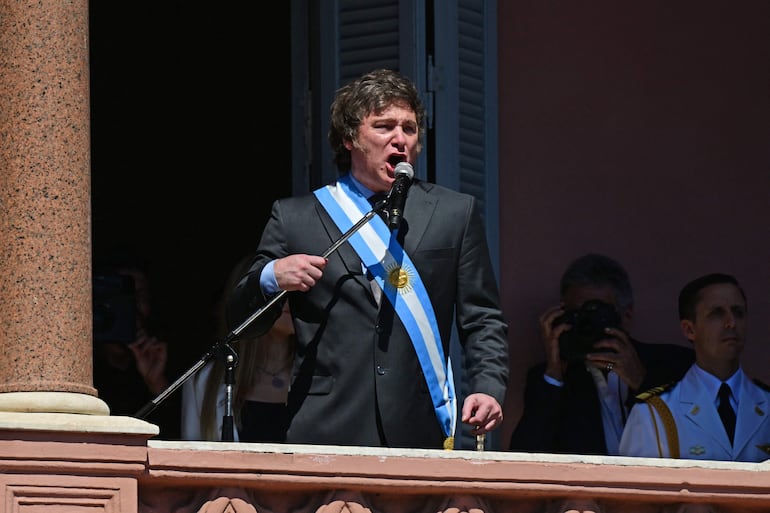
(643, 432)
(481, 325)
(537, 428)
(247, 297)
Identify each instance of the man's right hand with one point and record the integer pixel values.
(151, 356)
(299, 272)
(550, 334)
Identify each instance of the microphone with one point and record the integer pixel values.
(397, 195)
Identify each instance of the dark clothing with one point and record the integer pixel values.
(263, 422)
(125, 393)
(356, 377)
(568, 419)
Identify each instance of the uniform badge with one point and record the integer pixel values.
(764, 447)
(697, 450)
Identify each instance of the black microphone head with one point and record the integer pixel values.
(397, 196)
(404, 169)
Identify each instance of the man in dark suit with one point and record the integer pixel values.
(577, 401)
(374, 318)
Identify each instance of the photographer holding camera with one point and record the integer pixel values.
(577, 401)
(131, 356)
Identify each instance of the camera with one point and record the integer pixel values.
(588, 323)
(114, 308)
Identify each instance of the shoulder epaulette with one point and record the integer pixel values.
(653, 392)
(764, 386)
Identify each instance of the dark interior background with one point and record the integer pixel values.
(190, 144)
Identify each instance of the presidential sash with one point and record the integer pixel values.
(400, 282)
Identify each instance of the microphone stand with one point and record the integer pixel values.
(224, 347)
(231, 361)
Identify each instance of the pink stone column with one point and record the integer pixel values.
(45, 223)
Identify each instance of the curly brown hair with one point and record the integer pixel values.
(373, 92)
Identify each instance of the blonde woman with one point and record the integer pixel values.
(262, 379)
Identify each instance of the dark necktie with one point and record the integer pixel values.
(726, 411)
(376, 198)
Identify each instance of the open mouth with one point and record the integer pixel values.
(393, 160)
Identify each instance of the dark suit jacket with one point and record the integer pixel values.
(356, 378)
(568, 419)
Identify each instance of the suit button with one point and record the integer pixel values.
(381, 370)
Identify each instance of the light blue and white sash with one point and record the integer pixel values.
(400, 282)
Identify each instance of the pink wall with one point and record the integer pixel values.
(641, 130)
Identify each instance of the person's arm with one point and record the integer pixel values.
(482, 326)
(644, 433)
(272, 271)
(537, 430)
(151, 356)
(538, 426)
(247, 296)
(550, 332)
(481, 322)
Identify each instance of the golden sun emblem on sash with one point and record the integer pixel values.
(400, 278)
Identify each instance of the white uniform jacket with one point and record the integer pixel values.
(700, 432)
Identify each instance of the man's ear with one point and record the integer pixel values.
(627, 319)
(688, 330)
(348, 144)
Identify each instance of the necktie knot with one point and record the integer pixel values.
(374, 199)
(377, 197)
(724, 392)
(726, 411)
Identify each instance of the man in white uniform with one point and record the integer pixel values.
(685, 420)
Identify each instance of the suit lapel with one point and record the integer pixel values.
(347, 255)
(752, 413)
(699, 408)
